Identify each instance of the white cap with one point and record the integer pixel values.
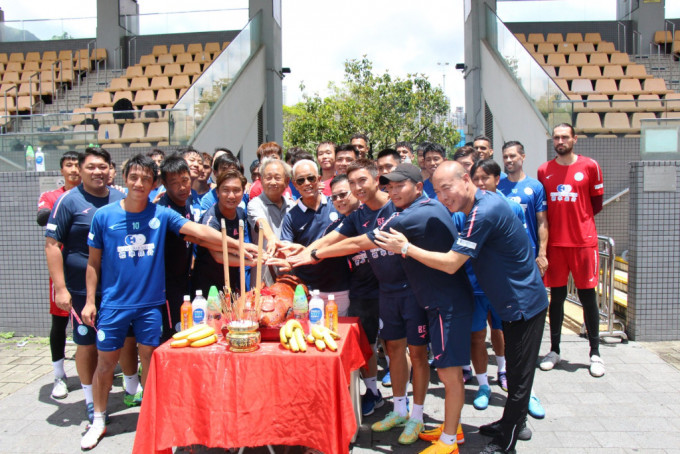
(199, 292)
(331, 297)
(187, 297)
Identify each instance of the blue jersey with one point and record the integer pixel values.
(133, 253)
(69, 224)
(428, 225)
(386, 265)
(428, 189)
(304, 225)
(179, 251)
(210, 199)
(530, 194)
(154, 192)
(207, 271)
(502, 258)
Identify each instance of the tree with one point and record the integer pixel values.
(387, 109)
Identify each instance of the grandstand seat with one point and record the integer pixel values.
(122, 94)
(574, 38)
(617, 122)
(565, 48)
(624, 102)
(28, 89)
(166, 96)
(554, 38)
(637, 116)
(576, 106)
(591, 72)
(98, 54)
(158, 131)
(80, 135)
(16, 56)
(675, 49)
(181, 81)
(104, 115)
(11, 77)
(672, 101)
(599, 59)
(139, 83)
(556, 60)
(7, 87)
(32, 66)
(578, 59)
(225, 44)
(3, 57)
(550, 70)
(33, 56)
(589, 123)
(586, 48)
(27, 75)
(670, 115)
(118, 83)
(132, 132)
(15, 66)
(159, 50)
(562, 85)
(2, 68)
(531, 47)
(592, 38)
(582, 86)
(545, 48)
(165, 59)
(147, 60)
(176, 49)
(192, 69)
(203, 58)
(194, 48)
(649, 103)
(134, 71)
(149, 114)
(79, 115)
(532, 38)
(619, 58)
(631, 86)
(143, 97)
(25, 104)
(159, 82)
(540, 58)
(184, 58)
(656, 85)
(663, 37)
(637, 72)
(181, 93)
(214, 48)
(153, 70)
(613, 72)
(601, 103)
(65, 55)
(46, 65)
(172, 70)
(568, 72)
(100, 99)
(8, 104)
(108, 133)
(66, 75)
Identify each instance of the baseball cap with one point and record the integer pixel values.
(402, 172)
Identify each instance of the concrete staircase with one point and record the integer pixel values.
(661, 66)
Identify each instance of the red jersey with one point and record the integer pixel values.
(256, 189)
(568, 190)
(49, 198)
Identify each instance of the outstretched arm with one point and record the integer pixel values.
(347, 246)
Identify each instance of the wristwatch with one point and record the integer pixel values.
(404, 249)
(313, 255)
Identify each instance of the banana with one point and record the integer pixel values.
(300, 338)
(311, 339)
(320, 345)
(290, 326)
(333, 334)
(328, 339)
(180, 343)
(282, 335)
(317, 332)
(205, 341)
(292, 341)
(187, 332)
(202, 333)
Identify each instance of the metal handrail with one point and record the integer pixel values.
(615, 197)
(639, 42)
(665, 29)
(134, 38)
(15, 88)
(620, 25)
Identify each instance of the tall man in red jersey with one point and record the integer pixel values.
(574, 188)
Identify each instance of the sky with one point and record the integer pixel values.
(398, 36)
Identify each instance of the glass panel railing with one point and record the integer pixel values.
(186, 21)
(47, 29)
(536, 84)
(195, 105)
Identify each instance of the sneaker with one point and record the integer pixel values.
(60, 390)
(467, 375)
(482, 398)
(493, 448)
(503, 381)
(371, 401)
(494, 430)
(391, 420)
(387, 380)
(596, 366)
(410, 433)
(535, 408)
(92, 437)
(433, 435)
(133, 400)
(439, 447)
(90, 414)
(549, 361)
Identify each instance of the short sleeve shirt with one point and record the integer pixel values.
(133, 253)
(568, 190)
(502, 258)
(261, 207)
(69, 224)
(48, 198)
(178, 250)
(529, 193)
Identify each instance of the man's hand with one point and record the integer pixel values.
(302, 258)
(280, 263)
(158, 196)
(391, 241)
(542, 262)
(89, 314)
(289, 249)
(273, 247)
(62, 299)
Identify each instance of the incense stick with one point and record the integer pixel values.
(225, 257)
(242, 266)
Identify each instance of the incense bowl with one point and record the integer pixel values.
(243, 336)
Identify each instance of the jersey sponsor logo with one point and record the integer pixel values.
(515, 199)
(90, 236)
(598, 186)
(514, 190)
(578, 176)
(528, 191)
(52, 227)
(154, 223)
(564, 194)
(466, 244)
(380, 221)
(136, 246)
(333, 216)
(378, 252)
(101, 335)
(360, 258)
(82, 330)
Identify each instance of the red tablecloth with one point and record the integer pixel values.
(216, 398)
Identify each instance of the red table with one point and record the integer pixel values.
(212, 397)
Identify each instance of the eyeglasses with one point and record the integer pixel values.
(340, 196)
(308, 179)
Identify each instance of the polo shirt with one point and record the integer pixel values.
(262, 207)
(530, 194)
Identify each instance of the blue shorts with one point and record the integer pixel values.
(482, 308)
(402, 317)
(82, 334)
(113, 325)
(450, 334)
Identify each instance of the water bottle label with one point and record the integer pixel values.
(315, 315)
(39, 159)
(199, 315)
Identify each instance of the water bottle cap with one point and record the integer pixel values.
(199, 292)
(187, 298)
(331, 297)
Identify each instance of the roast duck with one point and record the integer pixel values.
(277, 301)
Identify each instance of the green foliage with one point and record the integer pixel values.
(387, 109)
(6, 334)
(64, 35)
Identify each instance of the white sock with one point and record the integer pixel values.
(483, 379)
(500, 360)
(131, 383)
(400, 405)
(372, 384)
(447, 439)
(58, 367)
(99, 419)
(468, 367)
(87, 390)
(417, 412)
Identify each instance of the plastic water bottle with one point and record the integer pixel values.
(300, 307)
(39, 160)
(30, 159)
(316, 309)
(186, 317)
(199, 307)
(214, 313)
(332, 314)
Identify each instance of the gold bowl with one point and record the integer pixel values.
(243, 337)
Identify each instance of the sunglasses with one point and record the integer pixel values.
(340, 196)
(308, 179)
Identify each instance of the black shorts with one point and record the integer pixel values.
(367, 311)
(450, 336)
